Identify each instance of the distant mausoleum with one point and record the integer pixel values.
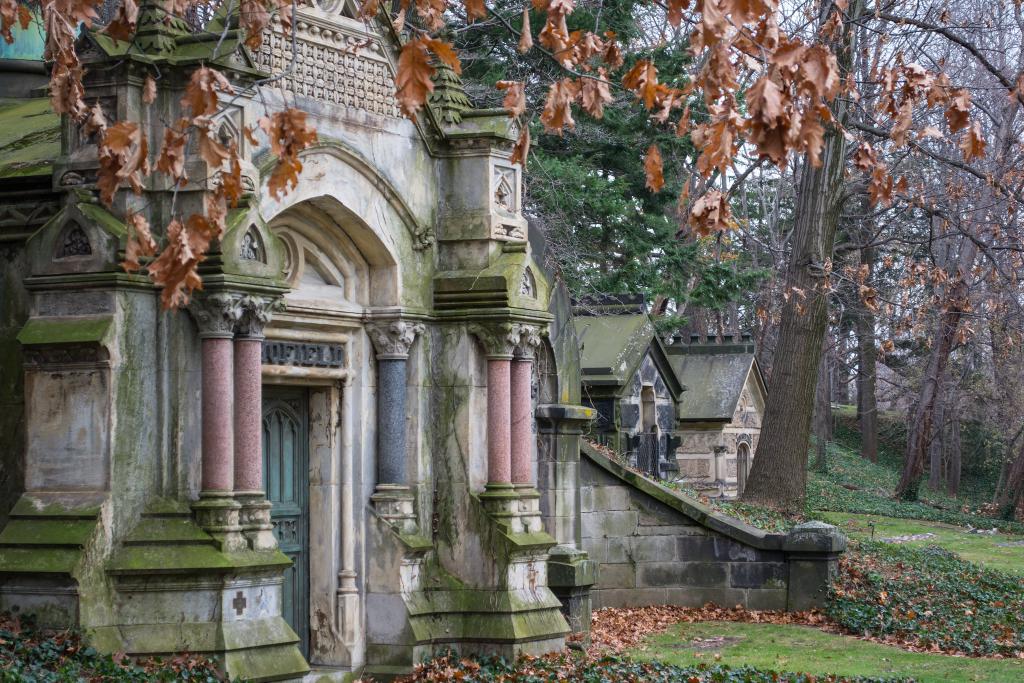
(720, 413)
(629, 382)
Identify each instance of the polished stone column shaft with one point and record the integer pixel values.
(391, 421)
(521, 432)
(499, 420)
(248, 415)
(218, 426)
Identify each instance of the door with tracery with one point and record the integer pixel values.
(286, 482)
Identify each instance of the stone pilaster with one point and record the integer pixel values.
(255, 314)
(216, 316)
(393, 498)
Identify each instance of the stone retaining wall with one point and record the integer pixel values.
(654, 546)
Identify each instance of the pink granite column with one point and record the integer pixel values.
(521, 420)
(218, 428)
(248, 415)
(499, 420)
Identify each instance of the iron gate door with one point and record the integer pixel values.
(286, 481)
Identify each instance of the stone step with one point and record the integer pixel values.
(41, 532)
(40, 505)
(167, 530)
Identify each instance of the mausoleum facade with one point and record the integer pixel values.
(328, 461)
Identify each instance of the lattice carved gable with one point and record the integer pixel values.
(337, 61)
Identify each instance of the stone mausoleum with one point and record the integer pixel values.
(629, 382)
(359, 444)
(720, 416)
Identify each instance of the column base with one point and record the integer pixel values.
(396, 505)
(254, 518)
(218, 514)
(517, 506)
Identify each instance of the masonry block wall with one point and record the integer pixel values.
(654, 547)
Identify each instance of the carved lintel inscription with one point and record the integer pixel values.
(305, 355)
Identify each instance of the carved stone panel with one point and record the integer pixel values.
(74, 242)
(332, 65)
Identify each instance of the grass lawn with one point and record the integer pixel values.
(981, 549)
(804, 648)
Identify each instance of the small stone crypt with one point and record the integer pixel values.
(328, 464)
(720, 416)
(628, 380)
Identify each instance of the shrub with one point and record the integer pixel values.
(928, 598)
(31, 655)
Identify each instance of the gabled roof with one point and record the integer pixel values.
(612, 347)
(714, 375)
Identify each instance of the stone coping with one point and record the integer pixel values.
(702, 514)
(95, 329)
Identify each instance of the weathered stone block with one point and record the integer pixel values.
(766, 599)
(606, 498)
(387, 619)
(758, 574)
(715, 547)
(653, 548)
(616, 576)
(661, 574)
(609, 524)
(628, 597)
(700, 596)
(670, 530)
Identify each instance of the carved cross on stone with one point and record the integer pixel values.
(239, 603)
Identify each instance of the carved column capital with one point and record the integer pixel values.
(529, 341)
(216, 314)
(256, 313)
(393, 339)
(499, 339)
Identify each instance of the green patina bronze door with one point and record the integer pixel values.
(286, 481)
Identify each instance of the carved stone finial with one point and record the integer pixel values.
(448, 98)
(393, 339)
(216, 314)
(158, 30)
(499, 339)
(256, 312)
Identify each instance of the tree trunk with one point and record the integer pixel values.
(822, 412)
(867, 355)
(1014, 488)
(937, 444)
(955, 457)
(778, 477)
(838, 375)
(920, 429)
(956, 302)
